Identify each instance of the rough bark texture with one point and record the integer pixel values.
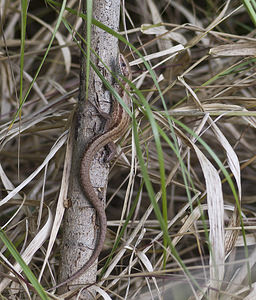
(80, 223)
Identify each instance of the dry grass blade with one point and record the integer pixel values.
(239, 49)
(59, 143)
(32, 248)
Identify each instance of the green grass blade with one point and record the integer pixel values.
(250, 6)
(31, 277)
(157, 211)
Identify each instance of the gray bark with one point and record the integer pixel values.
(80, 222)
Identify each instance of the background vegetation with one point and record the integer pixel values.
(181, 197)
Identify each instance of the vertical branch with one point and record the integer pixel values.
(80, 222)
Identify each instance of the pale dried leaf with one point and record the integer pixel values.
(239, 49)
(189, 223)
(174, 49)
(232, 158)
(159, 30)
(146, 262)
(252, 294)
(216, 220)
(31, 249)
(101, 292)
(7, 183)
(55, 148)
(250, 238)
(163, 43)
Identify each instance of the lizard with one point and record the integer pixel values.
(116, 125)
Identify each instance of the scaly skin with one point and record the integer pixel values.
(116, 126)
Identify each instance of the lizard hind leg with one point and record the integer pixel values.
(112, 151)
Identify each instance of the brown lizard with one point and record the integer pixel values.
(116, 125)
